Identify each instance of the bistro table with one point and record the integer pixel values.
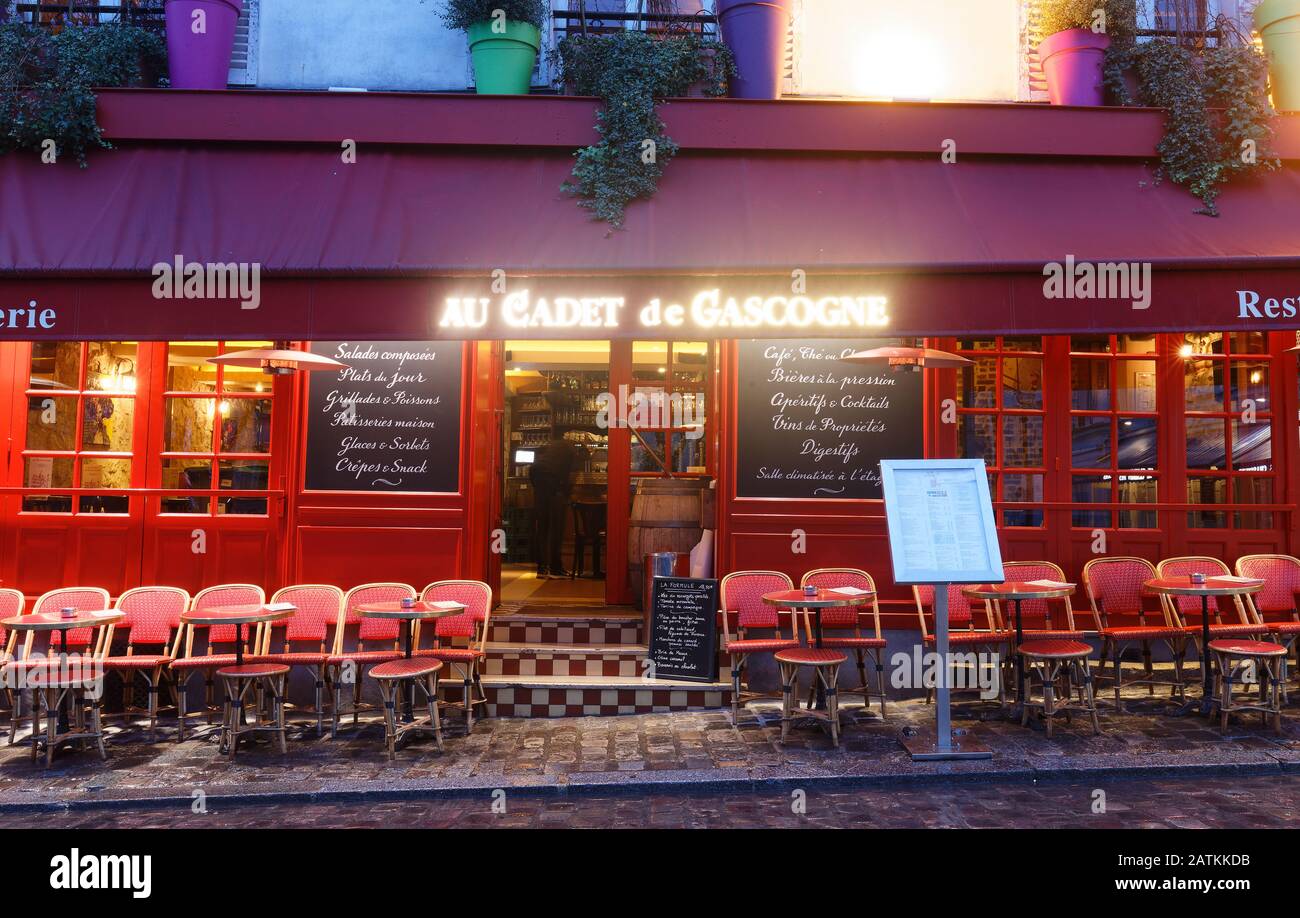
(56, 622)
(1210, 586)
(410, 614)
(1017, 591)
(815, 602)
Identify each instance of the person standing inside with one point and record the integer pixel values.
(551, 475)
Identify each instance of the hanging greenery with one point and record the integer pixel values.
(632, 71)
(1215, 98)
(46, 82)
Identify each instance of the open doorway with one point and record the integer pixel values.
(556, 499)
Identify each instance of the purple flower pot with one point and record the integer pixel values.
(1073, 63)
(201, 59)
(756, 32)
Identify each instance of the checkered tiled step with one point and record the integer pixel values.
(578, 696)
(587, 631)
(565, 660)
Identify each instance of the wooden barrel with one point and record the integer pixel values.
(665, 517)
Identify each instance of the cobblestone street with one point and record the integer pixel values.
(1184, 803)
(678, 750)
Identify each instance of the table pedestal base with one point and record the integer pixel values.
(923, 745)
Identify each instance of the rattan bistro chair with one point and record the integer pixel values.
(741, 596)
(963, 632)
(54, 682)
(185, 663)
(461, 639)
(152, 623)
(1036, 616)
(1186, 610)
(378, 641)
(12, 603)
(842, 625)
(1120, 608)
(1275, 606)
(318, 608)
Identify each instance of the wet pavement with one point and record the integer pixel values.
(1180, 803)
(554, 756)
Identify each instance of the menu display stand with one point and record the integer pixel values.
(941, 532)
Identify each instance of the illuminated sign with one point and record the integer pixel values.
(708, 309)
(30, 316)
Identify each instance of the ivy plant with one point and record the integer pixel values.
(46, 82)
(632, 72)
(461, 14)
(1218, 120)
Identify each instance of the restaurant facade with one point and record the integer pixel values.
(1132, 390)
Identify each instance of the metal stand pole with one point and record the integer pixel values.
(926, 745)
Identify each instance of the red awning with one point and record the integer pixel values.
(956, 247)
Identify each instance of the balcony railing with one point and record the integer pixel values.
(147, 14)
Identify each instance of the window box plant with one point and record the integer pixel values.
(504, 39)
(1077, 34)
(200, 39)
(756, 32)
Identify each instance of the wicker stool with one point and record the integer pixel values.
(393, 678)
(64, 681)
(1231, 655)
(826, 665)
(270, 682)
(1049, 661)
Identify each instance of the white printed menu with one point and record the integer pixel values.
(940, 521)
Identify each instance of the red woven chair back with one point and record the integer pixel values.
(1114, 587)
(961, 615)
(375, 629)
(11, 606)
(319, 606)
(474, 595)
(742, 592)
(1281, 576)
(1189, 607)
(227, 594)
(1037, 613)
(152, 614)
(83, 599)
(830, 578)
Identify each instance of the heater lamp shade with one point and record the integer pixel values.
(926, 357)
(278, 361)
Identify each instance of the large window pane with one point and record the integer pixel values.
(52, 422)
(188, 369)
(1203, 384)
(1251, 489)
(1252, 446)
(1089, 384)
(1138, 490)
(978, 438)
(1138, 443)
(1022, 489)
(1090, 489)
(55, 365)
(1207, 490)
(107, 424)
(1022, 382)
(1135, 385)
(112, 474)
(1090, 344)
(1090, 441)
(245, 425)
(111, 366)
(187, 475)
(188, 426)
(1206, 443)
(976, 384)
(1022, 441)
(1250, 381)
(47, 472)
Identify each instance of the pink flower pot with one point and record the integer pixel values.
(199, 47)
(1073, 62)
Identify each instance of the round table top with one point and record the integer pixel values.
(419, 610)
(249, 614)
(1213, 586)
(1017, 589)
(823, 599)
(53, 621)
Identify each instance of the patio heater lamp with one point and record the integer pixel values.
(278, 360)
(913, 358)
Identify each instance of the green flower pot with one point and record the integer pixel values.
(504, 61)
(1278, 22)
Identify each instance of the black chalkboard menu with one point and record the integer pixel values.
(390, 421)
(810, 426)
(684, 629)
